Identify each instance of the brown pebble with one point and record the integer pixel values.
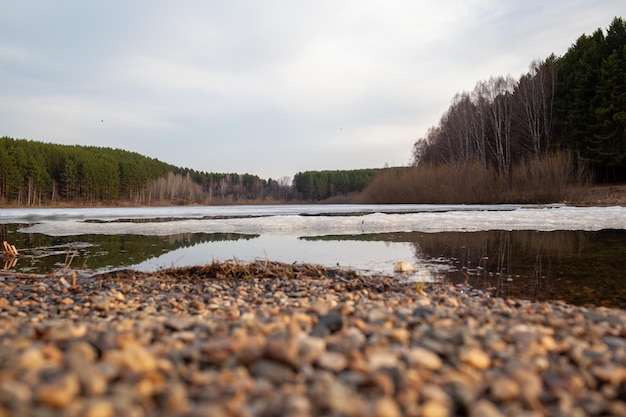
(387, 407)
(531, 385)
(31, 358)
(434, 408)
(346, 342)
(296, 405)
(609, 373)
(101, 304)
(310, 348)
(379, 358)
(380, 383)
(252, 348)
(134, 359)
(175, 399)
(60, 393)
(484, 408)
(332, 361)
(217, 350)
(400, 335)
(282, 349)
(475, 357)
(99, 408)
(276, 372)
(424, 358)
(504, 389)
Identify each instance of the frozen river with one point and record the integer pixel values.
(314, 220)
(500, 243)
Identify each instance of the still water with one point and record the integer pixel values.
(586, 266)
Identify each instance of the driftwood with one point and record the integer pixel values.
(10, 256)
(9, 250)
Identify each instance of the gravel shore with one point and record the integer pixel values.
(268, 339)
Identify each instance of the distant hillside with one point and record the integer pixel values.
(36, 173)
(40, 174)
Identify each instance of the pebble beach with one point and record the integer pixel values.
(270, 339)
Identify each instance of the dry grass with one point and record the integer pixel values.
(554, 178)
(240, 270)
(599, 195)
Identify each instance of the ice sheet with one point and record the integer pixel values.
(199, 212)
(314, 220)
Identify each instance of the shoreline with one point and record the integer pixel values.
(266, 338)
(595, 195)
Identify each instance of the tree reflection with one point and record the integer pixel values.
(574, 266)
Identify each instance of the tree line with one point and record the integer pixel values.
(322, 185)
(37, 173)
(33, 172)
(575, 103)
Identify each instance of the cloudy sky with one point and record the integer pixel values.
(267, 87)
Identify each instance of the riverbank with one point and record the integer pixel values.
(601, 196)
(264, 338)
(596, 195)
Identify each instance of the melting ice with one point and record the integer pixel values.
(313, 220)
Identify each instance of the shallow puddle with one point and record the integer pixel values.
(578, 267)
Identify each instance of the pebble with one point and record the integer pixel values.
(60, 392)
(484, 408)
(434, 408)
(504, 389)
(424, 358)
(332, 361)
(475, 357)
(299, 341)
(99, 408)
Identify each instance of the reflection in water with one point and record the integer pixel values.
(98, 252)
(574, 266)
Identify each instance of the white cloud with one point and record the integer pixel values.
(271, 87)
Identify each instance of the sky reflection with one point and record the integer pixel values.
(367, 256)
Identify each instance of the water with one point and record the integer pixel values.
(541, 253)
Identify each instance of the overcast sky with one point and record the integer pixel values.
(267, 87)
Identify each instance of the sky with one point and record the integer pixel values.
(269, 87)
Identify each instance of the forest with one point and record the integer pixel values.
(560, 126)
(324, 185)
(576, 103)
(37, 174)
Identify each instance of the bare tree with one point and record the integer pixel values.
(534, 95)
(478, 125)
(498, 92)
